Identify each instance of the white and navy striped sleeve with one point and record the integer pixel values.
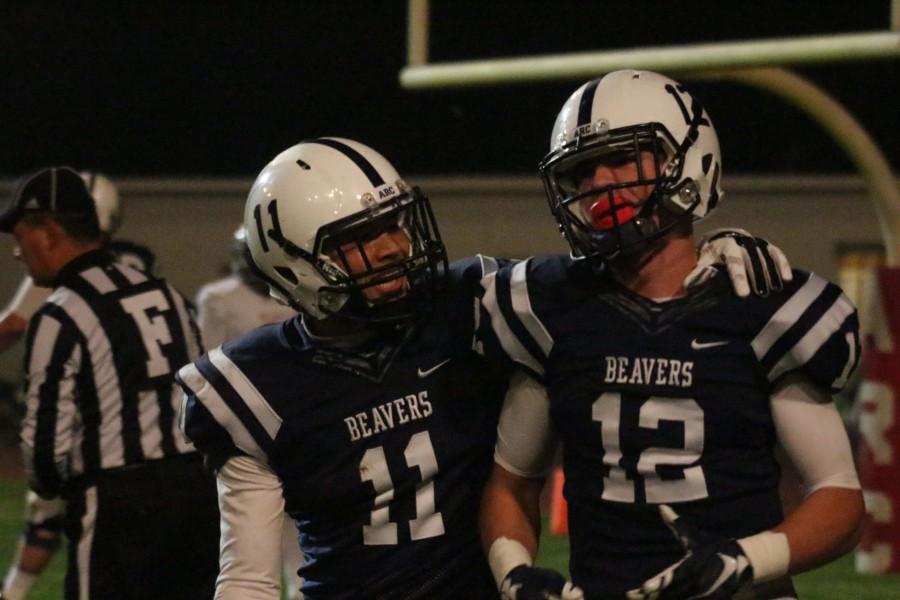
(814, 333)
(53, 359)
(514, 322)
(223, 412)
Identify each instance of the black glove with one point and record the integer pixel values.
(712, 568)
(753, 264)
(535, 583)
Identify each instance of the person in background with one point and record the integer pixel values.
(44, 517)
(232, 306)
(100, 430)
(28, 297)
(668, 402)
(238, 302)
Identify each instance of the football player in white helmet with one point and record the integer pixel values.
(608, 178)
(376, 414)
(668, 400)
(311, 253)
(618, 185)
(43, 518)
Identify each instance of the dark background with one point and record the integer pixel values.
(202, 88)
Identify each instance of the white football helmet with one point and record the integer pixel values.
(616, 118)
(106, 200)
(330, 191)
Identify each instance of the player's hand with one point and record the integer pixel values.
(752, 262)
(715, 569)
(535, 583)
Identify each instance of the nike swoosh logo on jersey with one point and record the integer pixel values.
(427, 372)
(695, 345)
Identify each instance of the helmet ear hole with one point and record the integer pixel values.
(287, 274)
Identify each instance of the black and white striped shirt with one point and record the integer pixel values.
(100, 359)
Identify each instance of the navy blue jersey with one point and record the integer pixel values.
(382, 451)
(665, 402)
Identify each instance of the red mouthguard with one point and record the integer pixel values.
(602, 213)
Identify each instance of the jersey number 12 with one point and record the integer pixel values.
(619, 484)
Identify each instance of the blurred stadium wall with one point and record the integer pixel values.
(189, 222)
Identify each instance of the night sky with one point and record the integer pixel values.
(203, 88)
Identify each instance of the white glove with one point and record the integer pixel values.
(752, 262)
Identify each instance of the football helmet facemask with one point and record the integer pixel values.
(315, 198)
(106, 200)
(636, 118)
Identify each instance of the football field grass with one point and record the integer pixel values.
(837, 581)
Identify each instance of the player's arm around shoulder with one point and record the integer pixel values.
(470, 277)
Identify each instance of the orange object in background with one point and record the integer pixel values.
(559, 509)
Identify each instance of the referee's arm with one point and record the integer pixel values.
(52, 361)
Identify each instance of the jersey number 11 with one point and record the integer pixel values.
(373, 467)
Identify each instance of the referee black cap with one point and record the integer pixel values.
(59, 190)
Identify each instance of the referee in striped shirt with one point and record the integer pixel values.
(100, 427)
